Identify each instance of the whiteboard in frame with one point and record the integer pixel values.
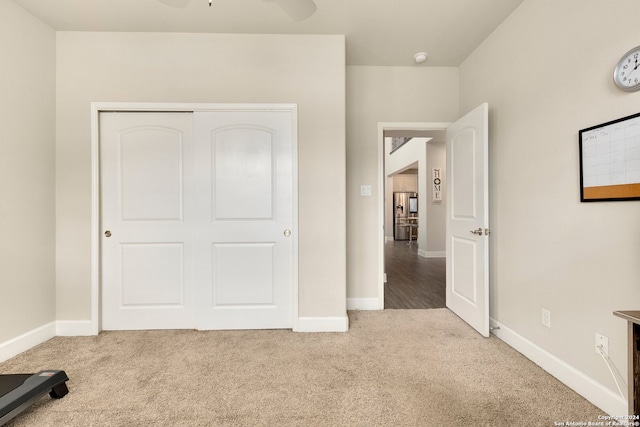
(610, 160)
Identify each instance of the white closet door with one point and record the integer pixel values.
(244, 219)
(146, 164)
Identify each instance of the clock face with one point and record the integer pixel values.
(627, 72)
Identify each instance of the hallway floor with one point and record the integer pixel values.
(413, 282)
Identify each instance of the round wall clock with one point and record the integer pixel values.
(627, 72)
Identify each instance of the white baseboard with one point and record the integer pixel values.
(323, 324)
(26, 341)
(363, 304)
(388, 239)
(601, 396)
(75, 328)
(432, 254)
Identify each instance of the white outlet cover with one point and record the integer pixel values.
(603, 341)
(546, 318)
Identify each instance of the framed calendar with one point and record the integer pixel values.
(610, 160)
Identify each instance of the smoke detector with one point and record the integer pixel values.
(420, 57)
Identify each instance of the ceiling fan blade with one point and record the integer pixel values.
(298, 10)
(176, 3)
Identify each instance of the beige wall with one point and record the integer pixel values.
(27, 135)
(149, 67)
(383, 94)
(436, 211)
(546, 73)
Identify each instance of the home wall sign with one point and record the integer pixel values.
(436, 176)
(610, 160)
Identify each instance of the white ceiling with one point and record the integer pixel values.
(378, 32)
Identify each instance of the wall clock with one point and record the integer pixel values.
(627, 72)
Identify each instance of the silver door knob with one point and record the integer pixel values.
(478, 231)
(107, 233)
(287, 233)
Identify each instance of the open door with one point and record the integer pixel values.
(468, 219)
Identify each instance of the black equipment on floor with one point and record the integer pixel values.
(19, 391)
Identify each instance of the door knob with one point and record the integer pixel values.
(287, 233)
(478, 231)
(107, 233)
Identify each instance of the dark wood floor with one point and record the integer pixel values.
(413, 281)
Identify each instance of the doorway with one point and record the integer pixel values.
(414, 269)
(467, 213)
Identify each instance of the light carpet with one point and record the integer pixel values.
(393, 368)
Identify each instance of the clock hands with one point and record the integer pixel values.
(626, 74)
(634, 68)
(628, 78)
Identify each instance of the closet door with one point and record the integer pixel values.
(197, 215)
(146, 174)
(244, 219)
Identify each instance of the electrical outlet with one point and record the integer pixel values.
(602, 342)
(546, 318)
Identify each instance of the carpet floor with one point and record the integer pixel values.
(393, 368)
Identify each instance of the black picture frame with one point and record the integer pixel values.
(610, 160)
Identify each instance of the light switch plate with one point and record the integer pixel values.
(365, 190)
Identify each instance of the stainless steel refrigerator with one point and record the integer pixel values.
(405, 205)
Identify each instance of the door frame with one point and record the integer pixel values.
(382, 127)
(99, 107)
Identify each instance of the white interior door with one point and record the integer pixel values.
(245, 219)
(467, 245)
(146, 171)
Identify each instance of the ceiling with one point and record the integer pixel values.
(378, 32)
